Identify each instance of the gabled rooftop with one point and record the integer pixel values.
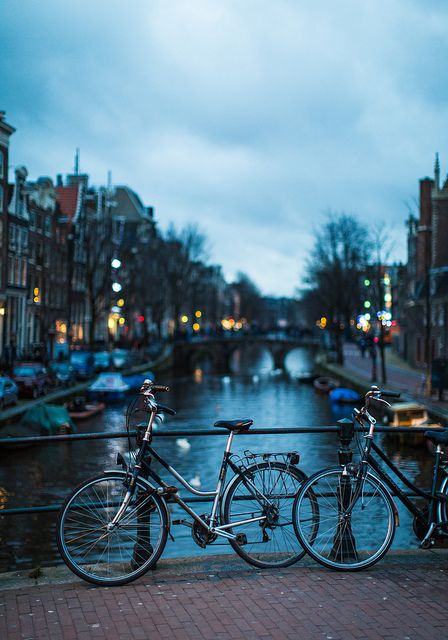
(68, 198)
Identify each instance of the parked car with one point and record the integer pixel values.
(101, 360)
(31, 378)
(120, 358)
(62, 372)
(83, 364)
(8, 392)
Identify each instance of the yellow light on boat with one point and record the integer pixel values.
(184, 319)
(196, 326)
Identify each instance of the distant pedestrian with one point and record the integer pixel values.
(362, 346)
(372, 354)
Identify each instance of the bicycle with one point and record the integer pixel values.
(114, 527)
(345, 518)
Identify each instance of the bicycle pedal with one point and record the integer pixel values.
(241, 539)
(427, 544)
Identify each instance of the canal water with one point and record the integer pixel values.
(44, 475)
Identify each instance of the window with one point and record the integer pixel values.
(2, 164)
(48, 225)
(1, 196)
(23, 272)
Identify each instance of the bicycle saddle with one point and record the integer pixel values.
(234, 425)
(438, 437)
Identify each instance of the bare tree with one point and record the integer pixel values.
(251, 304)
(337, 260)
(102, 234)
(183, 250)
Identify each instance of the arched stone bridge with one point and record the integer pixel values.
(220, 349)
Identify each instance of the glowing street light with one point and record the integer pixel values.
(198, 313)
(184, 319)
(116, 286)
(116, 263)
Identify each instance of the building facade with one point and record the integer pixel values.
(424, 295)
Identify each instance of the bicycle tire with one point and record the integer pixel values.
(276, 544)
(123, 554)
(352, 544)
(442, 508)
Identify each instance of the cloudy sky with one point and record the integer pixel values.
(250, 118)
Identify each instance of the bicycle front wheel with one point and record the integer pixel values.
(262, 498)
(339, 540)
(104, 553)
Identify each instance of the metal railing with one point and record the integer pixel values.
(44, 440)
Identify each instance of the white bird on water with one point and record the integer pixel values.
(196, 481)
(183, 443)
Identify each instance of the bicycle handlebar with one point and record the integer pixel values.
(148, 386)
(390, 394)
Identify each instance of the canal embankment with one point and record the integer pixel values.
(357, 373)
(13, 414)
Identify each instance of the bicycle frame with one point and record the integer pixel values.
(211, 527)
(431, 496)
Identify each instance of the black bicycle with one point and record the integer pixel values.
(114, 527)
(346, 517)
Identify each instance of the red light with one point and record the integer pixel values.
(394, 323)
(375, 339)
(141, 318)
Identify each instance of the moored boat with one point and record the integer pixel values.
(41, 420)
(80, 409)
(409, 414)
(306, 377)
(136, 380)
(110, 387)
(343, 394)
(324, 384)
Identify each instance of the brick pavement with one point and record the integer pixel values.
(403, 601)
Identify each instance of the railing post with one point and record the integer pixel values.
(346, 431)
(143, 548)
(344, 543)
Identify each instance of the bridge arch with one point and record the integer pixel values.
(220, 351)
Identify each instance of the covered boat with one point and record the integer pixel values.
(110, 387)
(343, 394)
(136, 380)
(41, 420)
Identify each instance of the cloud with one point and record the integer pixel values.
(250, 118)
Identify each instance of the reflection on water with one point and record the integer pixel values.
(44, 475)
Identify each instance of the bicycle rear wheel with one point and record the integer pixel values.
(111, 555)
(347, 543)
(271, 541)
